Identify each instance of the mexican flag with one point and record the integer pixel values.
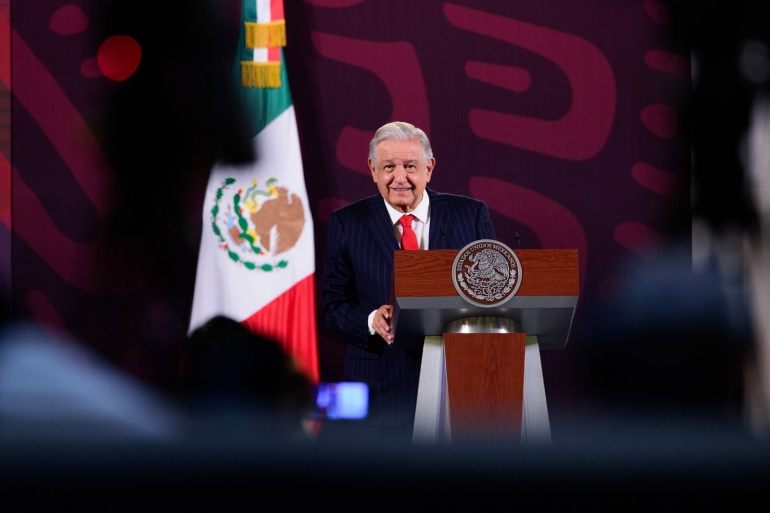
(257, 255)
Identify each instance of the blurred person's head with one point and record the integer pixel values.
(226, 368)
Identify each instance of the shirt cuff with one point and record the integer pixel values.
(371, 320)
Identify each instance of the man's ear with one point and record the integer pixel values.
(429, 166)
(372, 169)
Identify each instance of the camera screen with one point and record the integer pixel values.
(345, 400)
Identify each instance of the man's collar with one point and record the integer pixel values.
(421, 212)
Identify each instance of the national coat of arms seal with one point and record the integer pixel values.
(486, 273)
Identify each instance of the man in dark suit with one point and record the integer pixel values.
(359, 265)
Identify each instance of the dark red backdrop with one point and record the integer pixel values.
(564, 116)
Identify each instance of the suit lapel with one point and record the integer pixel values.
(379, 224)
(439, 220)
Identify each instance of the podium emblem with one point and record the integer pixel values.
(486, 273)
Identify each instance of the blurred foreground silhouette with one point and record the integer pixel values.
(239, 382)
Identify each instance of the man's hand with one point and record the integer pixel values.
(381, 322)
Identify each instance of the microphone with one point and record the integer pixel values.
(518, 239)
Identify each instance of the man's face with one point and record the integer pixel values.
(401, 173)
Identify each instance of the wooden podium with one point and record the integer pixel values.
(481, 373)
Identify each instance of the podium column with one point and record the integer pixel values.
(482, 379)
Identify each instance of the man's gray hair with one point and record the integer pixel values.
(400, 131)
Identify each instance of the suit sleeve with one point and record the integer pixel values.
(343, 312)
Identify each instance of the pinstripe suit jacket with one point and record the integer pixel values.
(357, 278)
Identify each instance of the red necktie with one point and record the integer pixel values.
(408, 239)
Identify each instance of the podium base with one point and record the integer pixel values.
(482, 380)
